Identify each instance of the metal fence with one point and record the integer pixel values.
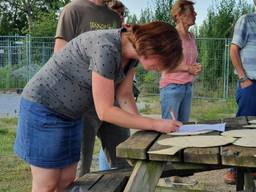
(22, 56)
(216, 81)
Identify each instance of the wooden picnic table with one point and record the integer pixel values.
(148, 168)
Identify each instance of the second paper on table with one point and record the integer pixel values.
(200, 127)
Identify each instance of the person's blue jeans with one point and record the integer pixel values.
(245, 99)
(178, 98)
(103, 163)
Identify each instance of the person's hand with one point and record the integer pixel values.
(165, 125)
(246, 83)
(195, 69)
(199, 67)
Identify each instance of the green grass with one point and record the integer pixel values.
(15, 174)
(212, 109)
(202, 109)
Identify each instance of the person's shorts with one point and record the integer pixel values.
(45, 138)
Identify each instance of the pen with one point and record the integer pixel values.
(172, 114)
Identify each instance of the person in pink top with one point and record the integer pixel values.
(176, 87)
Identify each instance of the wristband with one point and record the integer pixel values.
(243, 79)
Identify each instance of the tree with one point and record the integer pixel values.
(45, 25)
(162, 10)
(219, 23)
(221, 18)
(132, 19)
(146, 16)
(22, 14)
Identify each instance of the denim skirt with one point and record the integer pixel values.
(45, 138)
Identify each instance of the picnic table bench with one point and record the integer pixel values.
(115, 180)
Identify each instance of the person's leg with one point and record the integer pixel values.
(91, 124)
(103, 162)
(67, 176)
(185, 106)
(52, 180)
(171, 98)
(45, 180)
(111, 136)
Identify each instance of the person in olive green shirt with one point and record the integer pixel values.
(77, 17)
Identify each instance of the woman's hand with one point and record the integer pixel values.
(165, 125)
(195, 69)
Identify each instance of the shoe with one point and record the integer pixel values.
(230, 177)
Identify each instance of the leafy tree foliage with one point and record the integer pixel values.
(222, 17)
(19, 16)
(162, 11)
(45, 25)
(219, 23)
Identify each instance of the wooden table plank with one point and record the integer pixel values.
(209, 155)
(250, 118)
(113, 180)
(161, 157)
(233, 155)
(110, 183)
(85, 182)
(235, 123)
(145, 176)
(136, 146)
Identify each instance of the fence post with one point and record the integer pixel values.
(9, 64)
(28, 47)
(226, 70)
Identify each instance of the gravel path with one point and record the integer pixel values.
(9, 104)
(212, 181)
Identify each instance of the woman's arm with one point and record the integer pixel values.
(193, 69)
(59, 44)
(103, 95)
(125, 95)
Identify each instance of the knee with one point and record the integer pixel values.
(50, 186)
(66, 181)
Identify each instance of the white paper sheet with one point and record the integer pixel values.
(200, 127)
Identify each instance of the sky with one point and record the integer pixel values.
(201, 7)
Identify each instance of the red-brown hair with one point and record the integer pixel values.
(157, 39)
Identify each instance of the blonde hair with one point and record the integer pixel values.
(157, 39)
(179, 7)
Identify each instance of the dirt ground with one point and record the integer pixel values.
(210, 181)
